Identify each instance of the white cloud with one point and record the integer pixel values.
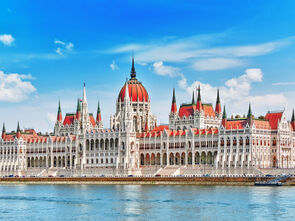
(216, 64)
(114, 66)
(161, 69)
(14, 88)
(283, 83)
(236, 94)
(6, 39)
(194, 48)
(65, 47)
(165, 70)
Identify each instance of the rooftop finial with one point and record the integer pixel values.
(224, 113)
(249, 111)
(133, 72)
(3, 129)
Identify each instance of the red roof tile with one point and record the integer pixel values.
(273, 119)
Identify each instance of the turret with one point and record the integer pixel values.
(293, 120)
(132, 72)
(199, 101)
(98, 115)
(173, 105)
(249, 115)
(18, 131)
(218, 105)
(59, 115)
(78, 112)
(224, 117)
(3, 131)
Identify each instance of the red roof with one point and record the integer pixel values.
(236, 124)
(273, 119)
(69, 119)
(92, 121)
(188, 110)
(137, 92)
(262, 124)
(208, 109)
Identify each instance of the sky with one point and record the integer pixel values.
(48, 49)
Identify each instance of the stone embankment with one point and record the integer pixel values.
(139, 180)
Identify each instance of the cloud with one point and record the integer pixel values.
(199, 51)
(236, 94)
(6, 39)
(283, 83)
(216, 64)
(165, 70)
(161, 69)
(14, 87)
(65, 47)
(114, 66)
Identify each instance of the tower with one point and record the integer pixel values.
(18, 132)
(218, 105)
(3, 131)
(199, 100)
(98, 118)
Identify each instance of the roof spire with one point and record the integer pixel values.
(98, 115)
(293, 117)
(127, 91)
(199, 101)
(59, 115)
(224, 113)
(193, 99)
(173, 105)
(18, 130)
(218, 106)
(249, 111)
(78, 113)
(18, 127)
(133, 72)
(3, 131)
(3, 128)
(84, 94)
(199, 93)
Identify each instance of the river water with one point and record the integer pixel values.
(145, 202)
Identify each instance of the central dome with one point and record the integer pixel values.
(136, 90)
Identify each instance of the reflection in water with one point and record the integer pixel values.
(145, 202)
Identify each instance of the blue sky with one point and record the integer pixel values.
(49, 48)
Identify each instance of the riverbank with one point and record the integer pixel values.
(237, 181)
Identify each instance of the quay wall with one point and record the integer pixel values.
(137, 180)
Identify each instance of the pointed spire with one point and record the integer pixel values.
(293, 120)
(133, 72)
(127, 91)
(218, 106)
(249, 111)
(18, 130)
(199, 101)
(224, 117)
(173, 105)
(224, 113)
(98, 115)
(193, 99)
(3, 131)
(78, 112)
(84, 94)
(3, 128)
(59, 115)
(18, 127)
